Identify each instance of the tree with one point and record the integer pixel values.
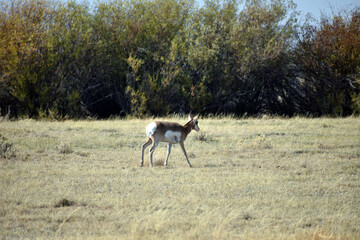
(329, 57)
(150, 57)
(23, 29)
(265, 73)
(152, 27)
(238, 59)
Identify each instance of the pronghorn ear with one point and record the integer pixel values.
(190, 117)
(196, 117)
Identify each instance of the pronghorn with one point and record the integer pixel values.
(169, 132)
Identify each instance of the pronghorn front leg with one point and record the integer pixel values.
(168, 154)
(145, 145)
(183, 149)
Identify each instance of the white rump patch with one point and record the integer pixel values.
(150, 129)
(172, 137)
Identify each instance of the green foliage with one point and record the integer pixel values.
(356, 103)
(329, 57)
(142, 58)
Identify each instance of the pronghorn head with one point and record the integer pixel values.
(194, 122)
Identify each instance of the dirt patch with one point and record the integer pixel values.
(64, 203)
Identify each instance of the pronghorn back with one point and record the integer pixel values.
(166, 131)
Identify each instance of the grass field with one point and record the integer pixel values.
(267, 178)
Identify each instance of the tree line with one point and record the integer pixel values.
(155, 57)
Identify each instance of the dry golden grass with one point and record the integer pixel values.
(252, 179)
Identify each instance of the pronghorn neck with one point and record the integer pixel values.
(188, 127)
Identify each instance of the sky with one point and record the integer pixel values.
(316, 7)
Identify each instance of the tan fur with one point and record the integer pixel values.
(159, 136)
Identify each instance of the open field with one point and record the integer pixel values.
(251, 179)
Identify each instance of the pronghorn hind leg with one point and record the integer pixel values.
(152, 149)
(143, 146)
(168, 154)
(183, 149)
